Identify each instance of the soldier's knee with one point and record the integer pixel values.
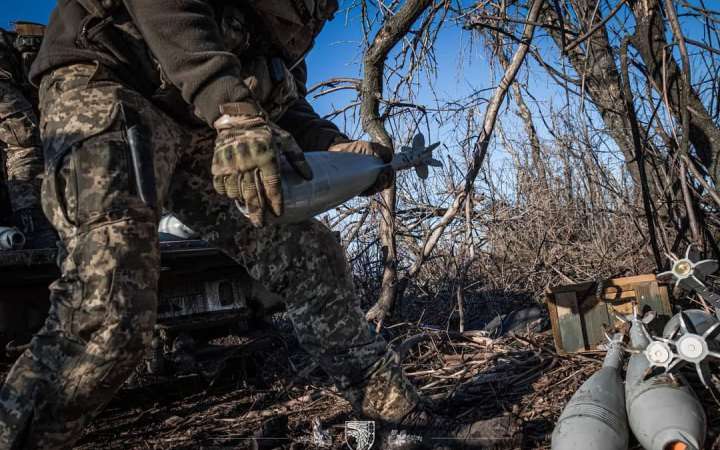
(20, 130)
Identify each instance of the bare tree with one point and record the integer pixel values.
(608, 153)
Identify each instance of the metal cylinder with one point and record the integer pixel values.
(11, 239)
(337, 177)
(663, 413)
(595, 417)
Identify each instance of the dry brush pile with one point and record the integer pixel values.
(281, 394)
(288, 398)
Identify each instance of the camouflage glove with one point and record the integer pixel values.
(387, 175)
(246, 161)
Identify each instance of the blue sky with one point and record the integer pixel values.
(336, 52)
(32, 10)
(462, 70)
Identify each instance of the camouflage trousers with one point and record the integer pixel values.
(20, 135)
(103, 308)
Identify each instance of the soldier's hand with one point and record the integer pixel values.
(387, 175)
(246, 160)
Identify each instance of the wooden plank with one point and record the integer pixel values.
(571, 332)
(648, 296)
(630, 281)
(622, 309)
(554, 325)
(572, 288)
(610, 295)
(579, 319)
(622, 283)
(661, 293)
(596, 320)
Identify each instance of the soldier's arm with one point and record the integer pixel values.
(8, 62)
(310, 131)
(185, 38)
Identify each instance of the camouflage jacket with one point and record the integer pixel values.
(201, 53)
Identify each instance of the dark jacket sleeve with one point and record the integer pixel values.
(310, 131)
(185, 38)
(9, 64)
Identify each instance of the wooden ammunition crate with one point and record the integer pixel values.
(579, 318)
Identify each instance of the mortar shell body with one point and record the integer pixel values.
(337, 178)
(661, 411)
(595, 418)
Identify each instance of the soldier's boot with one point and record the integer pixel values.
(406, 422)
(36, 228)
(425, 428)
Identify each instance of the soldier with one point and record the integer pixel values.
(20, 135)
(187, 105)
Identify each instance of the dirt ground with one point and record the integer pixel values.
(278, 394)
